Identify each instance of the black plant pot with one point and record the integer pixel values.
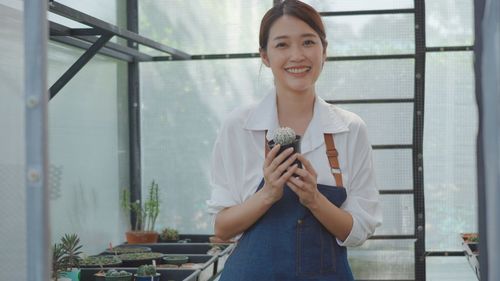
(295, 145)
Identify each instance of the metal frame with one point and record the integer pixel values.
(86, 38)
(36, 135)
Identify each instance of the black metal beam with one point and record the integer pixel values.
(396, 191)
(418, 138)
(368, 12)
(392, 146)
(371, 101)
(257, 55)
(58, 33)
(85, 19)
(70, 41)
(444, 253)
(389, 237)
(134, 111)
(71, 72)
(450, 49)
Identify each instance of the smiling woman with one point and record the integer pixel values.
(293, 222)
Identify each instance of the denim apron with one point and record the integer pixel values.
(289, 244)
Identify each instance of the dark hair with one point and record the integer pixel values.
(294, 8)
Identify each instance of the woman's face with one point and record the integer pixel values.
(294, 54)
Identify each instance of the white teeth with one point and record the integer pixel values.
(298, 70)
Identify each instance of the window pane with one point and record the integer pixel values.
(387, 123)
(354, 5)
(383, 260)
(450, 149)
(449, 23)
(369, 79)
(393, 168)
(204, 27)
(398, 215)
(370, 34)
(183, 105)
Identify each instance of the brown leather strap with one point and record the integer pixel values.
(332, 154)
(266, 145)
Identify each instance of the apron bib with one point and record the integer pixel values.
(288, 243)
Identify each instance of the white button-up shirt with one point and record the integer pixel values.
(238, 160)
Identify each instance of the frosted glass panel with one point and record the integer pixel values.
(13, 254)
(387, 123)
(449, 23)
(398, 215)
(369, 79)
(383, 260)
(393, 168)
(355, 5)
(183, 105)
(88, 145)
(370, 34)
(204, 27)
(449, 149)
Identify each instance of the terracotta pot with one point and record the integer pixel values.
(138, 237)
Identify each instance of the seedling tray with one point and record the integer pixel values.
(87, 274)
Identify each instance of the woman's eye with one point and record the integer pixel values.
(280, 45)
(309, 42)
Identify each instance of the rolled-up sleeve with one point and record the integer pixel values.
(362, 194)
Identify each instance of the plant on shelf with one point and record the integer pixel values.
(147, 272)
(100, 261)
(169, 234)
(115, 275)
(146, 213)
(138, 259)
(66, 258)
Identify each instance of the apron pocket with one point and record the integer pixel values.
(315, 249)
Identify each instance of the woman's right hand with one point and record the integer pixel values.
(277, 170)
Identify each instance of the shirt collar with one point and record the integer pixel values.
(325, 120)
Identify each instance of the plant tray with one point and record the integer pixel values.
(471, 250)
(87, 274)
(196, 249)
(205, 263)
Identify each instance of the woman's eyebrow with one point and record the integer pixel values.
(286, 36)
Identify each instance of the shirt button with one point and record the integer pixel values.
(299, 222)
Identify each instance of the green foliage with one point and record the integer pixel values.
(146, 270)
(70, 244)
(147, 213)
(116, 273)
(169, 234)
(57, 265)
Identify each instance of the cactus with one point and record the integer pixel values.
(115, 273)
(169, 234)
(284, 136)
(146, 270)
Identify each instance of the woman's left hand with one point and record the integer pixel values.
(304, 185)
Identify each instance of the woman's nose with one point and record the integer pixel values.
(297, 53)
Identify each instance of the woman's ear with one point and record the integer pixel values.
(264, 57)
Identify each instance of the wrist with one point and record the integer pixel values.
(265, 196)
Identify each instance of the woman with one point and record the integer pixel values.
(293, 223)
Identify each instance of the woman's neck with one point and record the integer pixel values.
(295, 110)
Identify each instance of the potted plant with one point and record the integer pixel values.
(287, 138)
(169, 235)
(113, 275)
(70, 244)
(143, 231)
(127, 249)
(147, 272)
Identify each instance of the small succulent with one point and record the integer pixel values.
(169, 234)
(146, 270)
(116, 273)
(284, 136)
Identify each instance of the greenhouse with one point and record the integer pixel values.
(114, 115)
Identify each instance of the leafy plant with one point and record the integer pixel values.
(146, 270)
(97, 261)
(57, 264)
(147, 213)
(169, 234)
(70, 244)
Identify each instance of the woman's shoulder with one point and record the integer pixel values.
(237, 117)
(349, 118)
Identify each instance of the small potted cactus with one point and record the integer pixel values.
(286, 138)
(169, 235)
(147, 272)
(113, 275)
